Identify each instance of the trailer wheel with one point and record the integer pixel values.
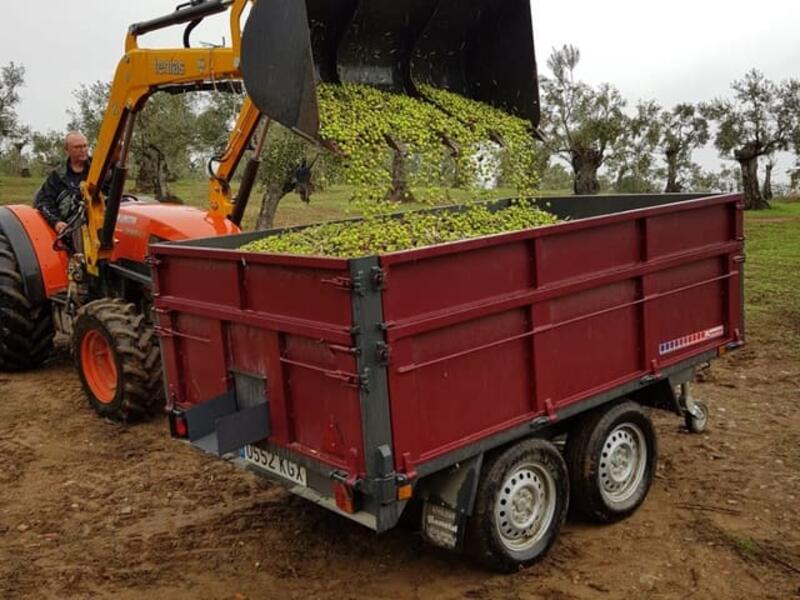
(520, 506)
(26, 330)
(118, 359)
(611, 457)
(697, 423)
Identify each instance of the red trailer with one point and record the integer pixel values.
(492, 381)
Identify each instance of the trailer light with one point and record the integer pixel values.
(404, 492)
(178, 426)
(344, 498)
(722, 351)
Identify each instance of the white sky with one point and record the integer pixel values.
(671, 51)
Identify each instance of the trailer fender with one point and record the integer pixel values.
(660, 395)
(449, 498)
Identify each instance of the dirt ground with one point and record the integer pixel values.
(93, 509)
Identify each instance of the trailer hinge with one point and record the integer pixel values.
(168, 333)
(740, 258)
(364, 380)
(378, 278)
(655, 373)
(551, 411)
(336, 348)
(343, 283)
(409, 466)
(383, 353)
(152, 261)
(358, 283)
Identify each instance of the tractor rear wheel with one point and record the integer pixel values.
(117, 356)
(26, 329)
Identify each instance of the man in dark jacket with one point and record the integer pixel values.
(57, 197)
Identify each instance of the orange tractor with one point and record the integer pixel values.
(100, 296)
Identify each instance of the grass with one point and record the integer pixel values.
(772, 271)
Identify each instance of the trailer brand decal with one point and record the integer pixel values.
(691, 340)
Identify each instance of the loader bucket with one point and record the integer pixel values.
(481, 49)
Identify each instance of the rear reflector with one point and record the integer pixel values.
(344, 498)
(404, 492)
(178, 427)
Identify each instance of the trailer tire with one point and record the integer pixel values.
(529, 478)
(118, 359)
(611, 457)
(26, 329)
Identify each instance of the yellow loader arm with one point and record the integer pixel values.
(140, 73)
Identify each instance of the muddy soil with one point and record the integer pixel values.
(91, 509)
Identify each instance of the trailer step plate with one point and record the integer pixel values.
(274, 464)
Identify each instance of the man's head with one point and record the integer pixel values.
(77, 147)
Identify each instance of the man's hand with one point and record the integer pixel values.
(60, 227)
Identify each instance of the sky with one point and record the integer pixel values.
(676, 51)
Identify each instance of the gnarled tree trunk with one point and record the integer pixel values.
(753, 200)
(673, 186)
(585, 166)
(269, 206)
(400, 191)
(767, 193)
(747, 157)
(152, 171)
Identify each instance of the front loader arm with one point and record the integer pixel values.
(140, 73)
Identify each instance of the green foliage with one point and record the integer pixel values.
(556, 177)
(380, 234)
(634, 163)
(762, 117)
(366, 123)
(12, 77)
(582, 124)
(684, 129)
(87, 116)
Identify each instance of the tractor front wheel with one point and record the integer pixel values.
(118, 359)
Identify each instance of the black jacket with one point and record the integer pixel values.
(59, 181)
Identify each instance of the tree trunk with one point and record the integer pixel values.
(151, 175)
(753, 200)
(400, 191)
(768, 182)
(673, 187)
(585, 167)
(269, 207)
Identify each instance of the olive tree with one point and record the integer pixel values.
(581, 124)
(683, 129)
(12, 77)
(762, 118)
(633, 163)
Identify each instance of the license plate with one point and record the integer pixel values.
(275, 464)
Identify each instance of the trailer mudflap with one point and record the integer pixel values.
(449, 498)
(230, 421)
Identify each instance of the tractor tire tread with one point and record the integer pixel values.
(26, 330)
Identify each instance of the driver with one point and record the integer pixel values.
(58, 197)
